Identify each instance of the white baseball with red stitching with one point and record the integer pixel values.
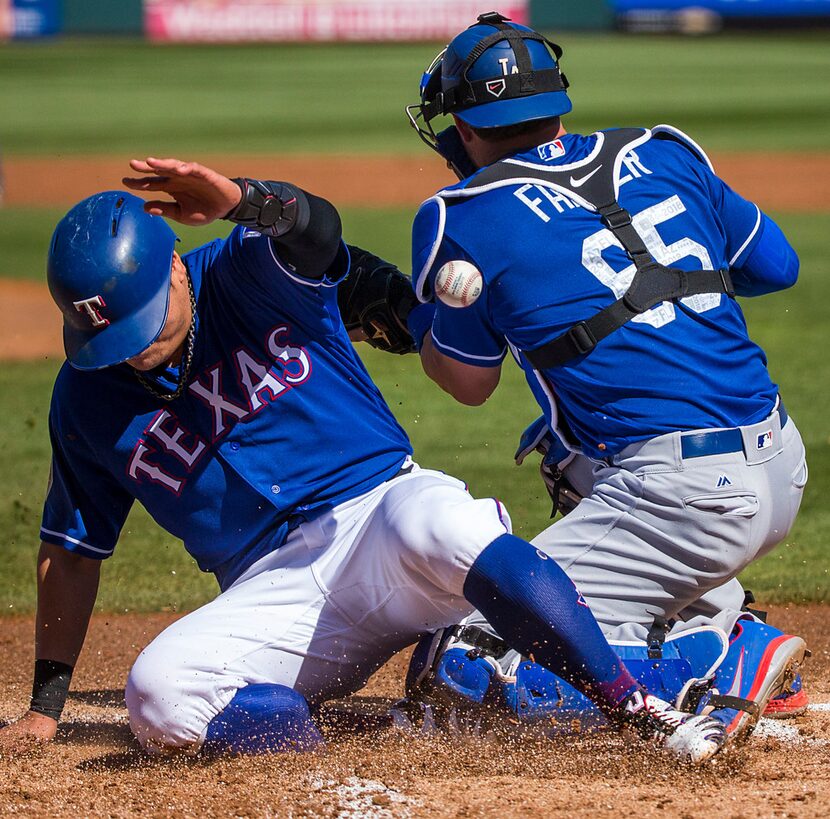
(458, 283)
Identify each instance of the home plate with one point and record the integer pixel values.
(787, 733)
(365, 798)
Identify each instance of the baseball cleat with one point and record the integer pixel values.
(762, 662)
(689, 738)
(791, 702)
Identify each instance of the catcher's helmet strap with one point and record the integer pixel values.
(479, 92)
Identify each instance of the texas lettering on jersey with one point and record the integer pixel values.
(259, 382)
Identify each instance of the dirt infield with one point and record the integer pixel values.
(775, 181)
(95, 768)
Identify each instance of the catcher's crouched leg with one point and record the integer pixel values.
(168, 715)
(464, 678)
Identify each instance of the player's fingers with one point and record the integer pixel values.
(172, 210)
(170, 165)
(141, 166)
(146, 183)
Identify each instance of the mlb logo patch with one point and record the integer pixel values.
(551, 150)
(765, 439)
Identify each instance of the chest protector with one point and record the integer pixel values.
(596, 189)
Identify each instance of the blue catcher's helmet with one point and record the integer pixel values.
(493, 74)
(109, 273)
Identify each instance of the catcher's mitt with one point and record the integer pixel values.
(377, 297)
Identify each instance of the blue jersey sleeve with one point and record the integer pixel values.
(85, 507)
(249, 271)
(771, 265)
(740, 218)
(466, 334)
(257, 257)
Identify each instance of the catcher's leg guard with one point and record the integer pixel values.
(456, 679)
(262, 719)
(463, 667)
(761, 662)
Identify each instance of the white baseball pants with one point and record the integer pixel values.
(321, 613)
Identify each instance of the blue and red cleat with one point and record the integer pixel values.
(762, 663)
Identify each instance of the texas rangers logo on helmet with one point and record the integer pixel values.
(496, 87)
(92, 305)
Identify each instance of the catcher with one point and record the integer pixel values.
(608, 266)
(221, 391)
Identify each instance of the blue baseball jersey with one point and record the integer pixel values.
(279, 420)
(548, 263)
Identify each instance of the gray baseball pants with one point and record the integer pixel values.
(659, 534)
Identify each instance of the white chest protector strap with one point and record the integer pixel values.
(596, 189)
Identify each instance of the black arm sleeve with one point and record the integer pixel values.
(312, 245)
(305, 229)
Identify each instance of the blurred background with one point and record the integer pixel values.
(313, 92)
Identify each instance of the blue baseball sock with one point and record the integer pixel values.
(262, 719)
(538, 611)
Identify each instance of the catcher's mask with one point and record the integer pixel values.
(495, 73)
(109, 273)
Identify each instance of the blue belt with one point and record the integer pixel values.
(718, 442)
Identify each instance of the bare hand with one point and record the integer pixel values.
(27, 734)
(201, 195)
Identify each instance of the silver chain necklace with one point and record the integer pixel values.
(187, 358)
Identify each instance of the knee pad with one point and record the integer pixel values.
(463, 677)
(261, 719)
(447, 670)
(453, 683)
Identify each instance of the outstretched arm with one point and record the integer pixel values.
(67, 588)
(305, 228)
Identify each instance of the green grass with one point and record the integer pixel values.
(128, 97)
(151, 571)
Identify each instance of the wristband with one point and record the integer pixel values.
(273, 208)
(50, 688)
(419, 322)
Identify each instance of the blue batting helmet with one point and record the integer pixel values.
(109, 273)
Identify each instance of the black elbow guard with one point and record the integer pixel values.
(273, 208)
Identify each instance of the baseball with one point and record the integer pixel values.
(458, 283)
